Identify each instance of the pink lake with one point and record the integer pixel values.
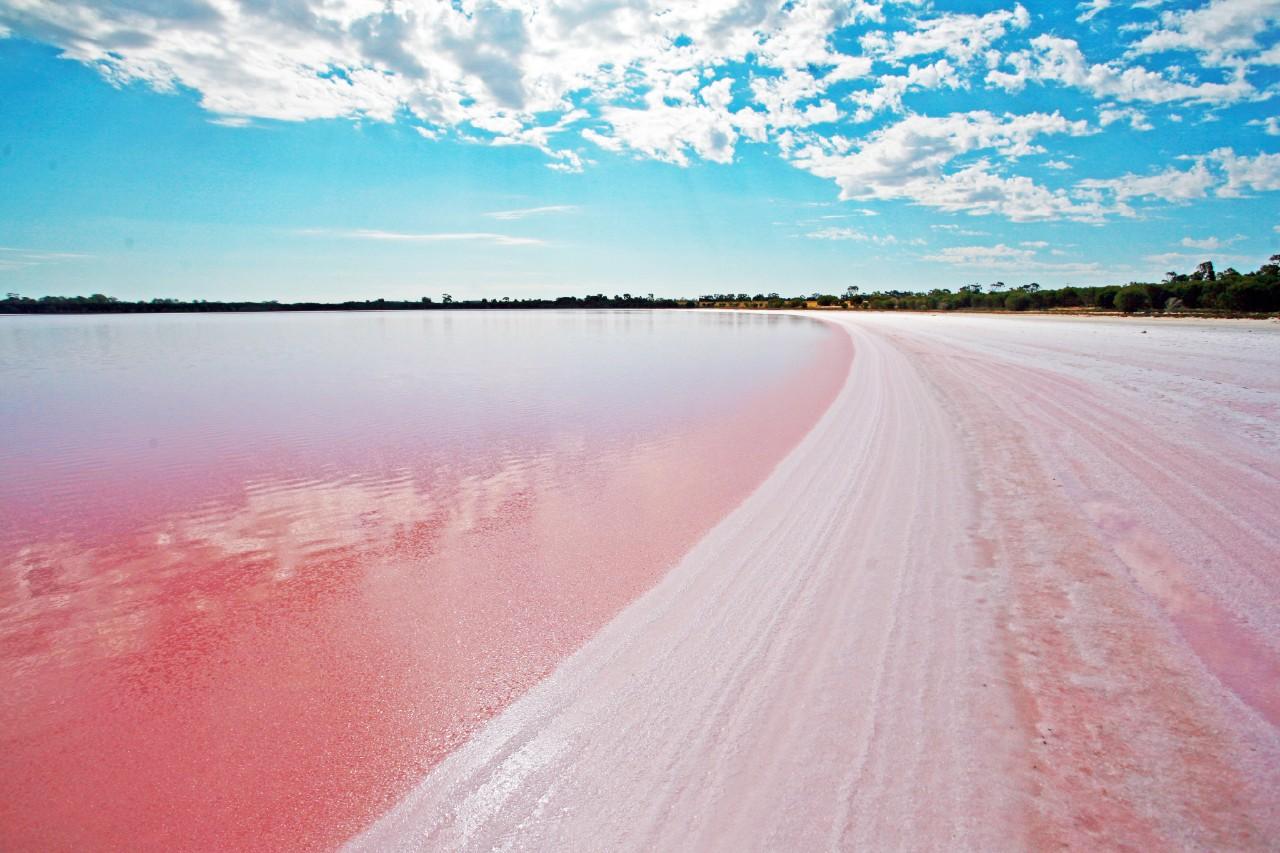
(259, 573)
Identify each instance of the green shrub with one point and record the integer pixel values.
(1132, 298)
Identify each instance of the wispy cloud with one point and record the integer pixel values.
(857, 211)
(531, 211)
(962, 232)
(1176, 259)
(12, 258)
(424, 237)
(1210, 243)
(855, 235)
(1005, 258)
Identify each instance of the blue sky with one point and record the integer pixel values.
(361, 148)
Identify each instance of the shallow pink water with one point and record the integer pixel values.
(262, 572)
(1015, 590)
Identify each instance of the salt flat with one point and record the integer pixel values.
(1018, 588)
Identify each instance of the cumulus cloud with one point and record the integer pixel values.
(1221, 172)
(1221, 31)
(1270, 125)
(1260, 173)
(961, 37)
(833, 86)
(1172, 184)
(890, 88)
(914, 159)
(1136, 118)
(1052, 59)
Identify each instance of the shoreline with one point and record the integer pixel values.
(933, 598)
(274, 647)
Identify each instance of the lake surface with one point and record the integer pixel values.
(259, 573)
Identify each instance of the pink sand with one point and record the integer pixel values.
(1017, 589)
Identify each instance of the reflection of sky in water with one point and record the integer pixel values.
(286, 562)
(132, 404)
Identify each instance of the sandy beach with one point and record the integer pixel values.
(1017, 589)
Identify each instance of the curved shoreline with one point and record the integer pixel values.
(934, 626)
(274, 666)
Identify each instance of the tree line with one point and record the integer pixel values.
(100, 304)
(1204, 290)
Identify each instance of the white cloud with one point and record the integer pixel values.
(910, 160)
(1270, 125)
(1221, 31)
(1091, 8)
(424, 237)
(1260, 173)
(1177, 260)
(853, 211)
(962, 232)
(853, 234)
(887, 95)
(526, 212)
(981, 255)
(1137, 118)
(1221, 172)
(1052, 59)
(959, 36)
(685, 82)
(1002, 257)
(1172, 184)
(12, 258)
(494, 71)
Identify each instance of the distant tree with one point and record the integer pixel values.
(447, 299)
(1204, 272)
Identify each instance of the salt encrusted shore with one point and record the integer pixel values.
(1018, 588)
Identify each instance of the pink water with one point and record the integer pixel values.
(258, 574)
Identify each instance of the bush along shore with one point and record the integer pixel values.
(100, 304)
(1204, 291)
